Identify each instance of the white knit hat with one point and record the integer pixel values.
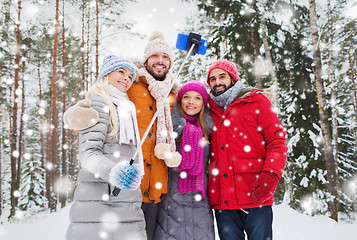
(157, 44)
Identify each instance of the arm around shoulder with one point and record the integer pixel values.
(80, 116)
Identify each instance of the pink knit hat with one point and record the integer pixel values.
(226, 66)
(193, 86)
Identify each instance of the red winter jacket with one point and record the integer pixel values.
(247, 139)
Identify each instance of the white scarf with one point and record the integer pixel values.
(158, 89)
(128, 125)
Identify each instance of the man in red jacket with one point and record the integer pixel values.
(248, 150)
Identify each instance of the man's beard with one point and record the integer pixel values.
(224, 90)
(160, 77)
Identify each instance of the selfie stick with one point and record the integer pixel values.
(195, 42)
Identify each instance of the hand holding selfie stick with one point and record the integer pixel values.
(193, 44)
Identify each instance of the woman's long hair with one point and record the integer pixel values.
(101, 89)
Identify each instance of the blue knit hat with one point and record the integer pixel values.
(113, 62)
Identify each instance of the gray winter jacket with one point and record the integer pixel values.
(96, 214)
(181, 216)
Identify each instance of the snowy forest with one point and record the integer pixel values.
(303, 49)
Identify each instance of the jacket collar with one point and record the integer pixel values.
(247, 95)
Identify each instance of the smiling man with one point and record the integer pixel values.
(148, 93)
(248, 152)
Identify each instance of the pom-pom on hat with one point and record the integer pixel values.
(113, 62)
(157, 44)
(226, 66)
(193, 86)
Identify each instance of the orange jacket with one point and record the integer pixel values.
(154, 182)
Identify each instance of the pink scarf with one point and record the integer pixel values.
(191, 149)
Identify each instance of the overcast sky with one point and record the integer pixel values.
(151, 15)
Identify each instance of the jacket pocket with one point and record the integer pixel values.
(246, 172)
(213, 184)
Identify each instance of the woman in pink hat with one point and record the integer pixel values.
(184, 212)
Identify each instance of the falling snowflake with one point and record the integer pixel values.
(116, 154)
(41, 111)
(29, 132)
(106, 109)
(25, 117)
(183, 175)
(247, 148)
(27, 156)
(105, 197)
(309, 204)
(18, 92)
(103, 234)
(174, 135)
(227, 123)
(158, 185)
(15, 154)
(49, 166)
(198, 197)
(63, 185)
(187, 148)
(17, 193)
(215, 172)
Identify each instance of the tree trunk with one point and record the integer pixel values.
(332, 83)
(63, 194)
(13, 129)
(48, 167)
(1, 119)
(21, 130)
(353, 82)
(82, 48)
(272, 71)
(325, 125)
(42, 147)
(88, 44)
(97, 41)
(257, 57)
(54, 126)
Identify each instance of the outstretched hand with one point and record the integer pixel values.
(125, 176)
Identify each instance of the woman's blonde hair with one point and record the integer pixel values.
(101, 89)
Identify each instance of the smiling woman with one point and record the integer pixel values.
(121, 78)
(105, 150)
(192, 103)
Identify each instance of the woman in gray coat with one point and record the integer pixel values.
(105, 150)
(184, 212)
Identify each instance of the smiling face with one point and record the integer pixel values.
(219, 81)
(158, 65)
(191, 103)
(121, 78)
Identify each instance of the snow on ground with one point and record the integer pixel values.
(288, 225)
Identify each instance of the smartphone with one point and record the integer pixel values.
(184, 42)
